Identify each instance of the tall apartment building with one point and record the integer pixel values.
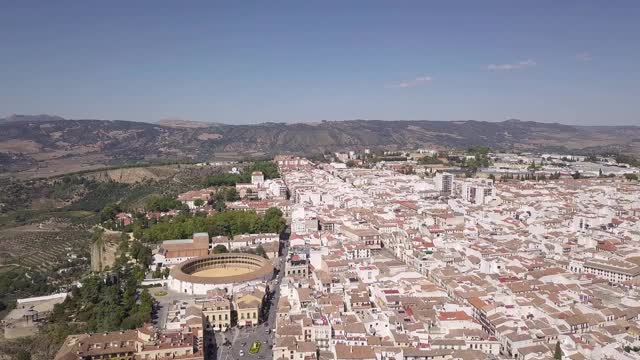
(444, 183)
(478, 191)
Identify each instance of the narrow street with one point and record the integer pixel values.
(242, 338)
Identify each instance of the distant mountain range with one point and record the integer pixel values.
(45, 145)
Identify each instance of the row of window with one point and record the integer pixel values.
(213, 318)
(248, 316)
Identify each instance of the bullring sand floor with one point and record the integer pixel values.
(222, 272)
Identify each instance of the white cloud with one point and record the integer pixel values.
(584, 57)
(420, 80)
(517, 66)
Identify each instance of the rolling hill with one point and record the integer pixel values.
(48, 145)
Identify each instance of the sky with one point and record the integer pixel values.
(237, 62)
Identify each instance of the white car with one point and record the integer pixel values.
(241, 352)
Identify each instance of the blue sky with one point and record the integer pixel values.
(573, 62)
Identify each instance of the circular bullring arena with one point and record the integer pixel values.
(229, 271)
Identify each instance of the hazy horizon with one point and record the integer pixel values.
(309, 122)
(251, 62)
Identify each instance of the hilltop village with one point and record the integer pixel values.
(393, 266)
(529, 257)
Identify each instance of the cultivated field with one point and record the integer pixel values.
(43, 246)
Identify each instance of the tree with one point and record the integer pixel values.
(165, 272)
(141, 253)
(273, 213)
(260, 251)
(96, 234)
(146, 303)
(625, 159)
(631, 177)
(273, 220)
(220, 249)
(226, 223)
(23, 355)
(558, 353)
(198, 202)
(109, 212)
(478, 149)
(224, 179)
(429, 160)
(20, 218)
(268, 168)
(123, 244)
(162, 203)
(230, 194)
(137, 232)
(220, 206)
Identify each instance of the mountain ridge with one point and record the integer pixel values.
(31, 143)
(170, 121)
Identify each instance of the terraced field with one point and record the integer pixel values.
(42, 248)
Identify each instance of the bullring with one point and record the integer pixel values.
(228, 271)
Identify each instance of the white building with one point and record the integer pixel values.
(257, 177)
(478, 192)
(615, 271)
(444, 182)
